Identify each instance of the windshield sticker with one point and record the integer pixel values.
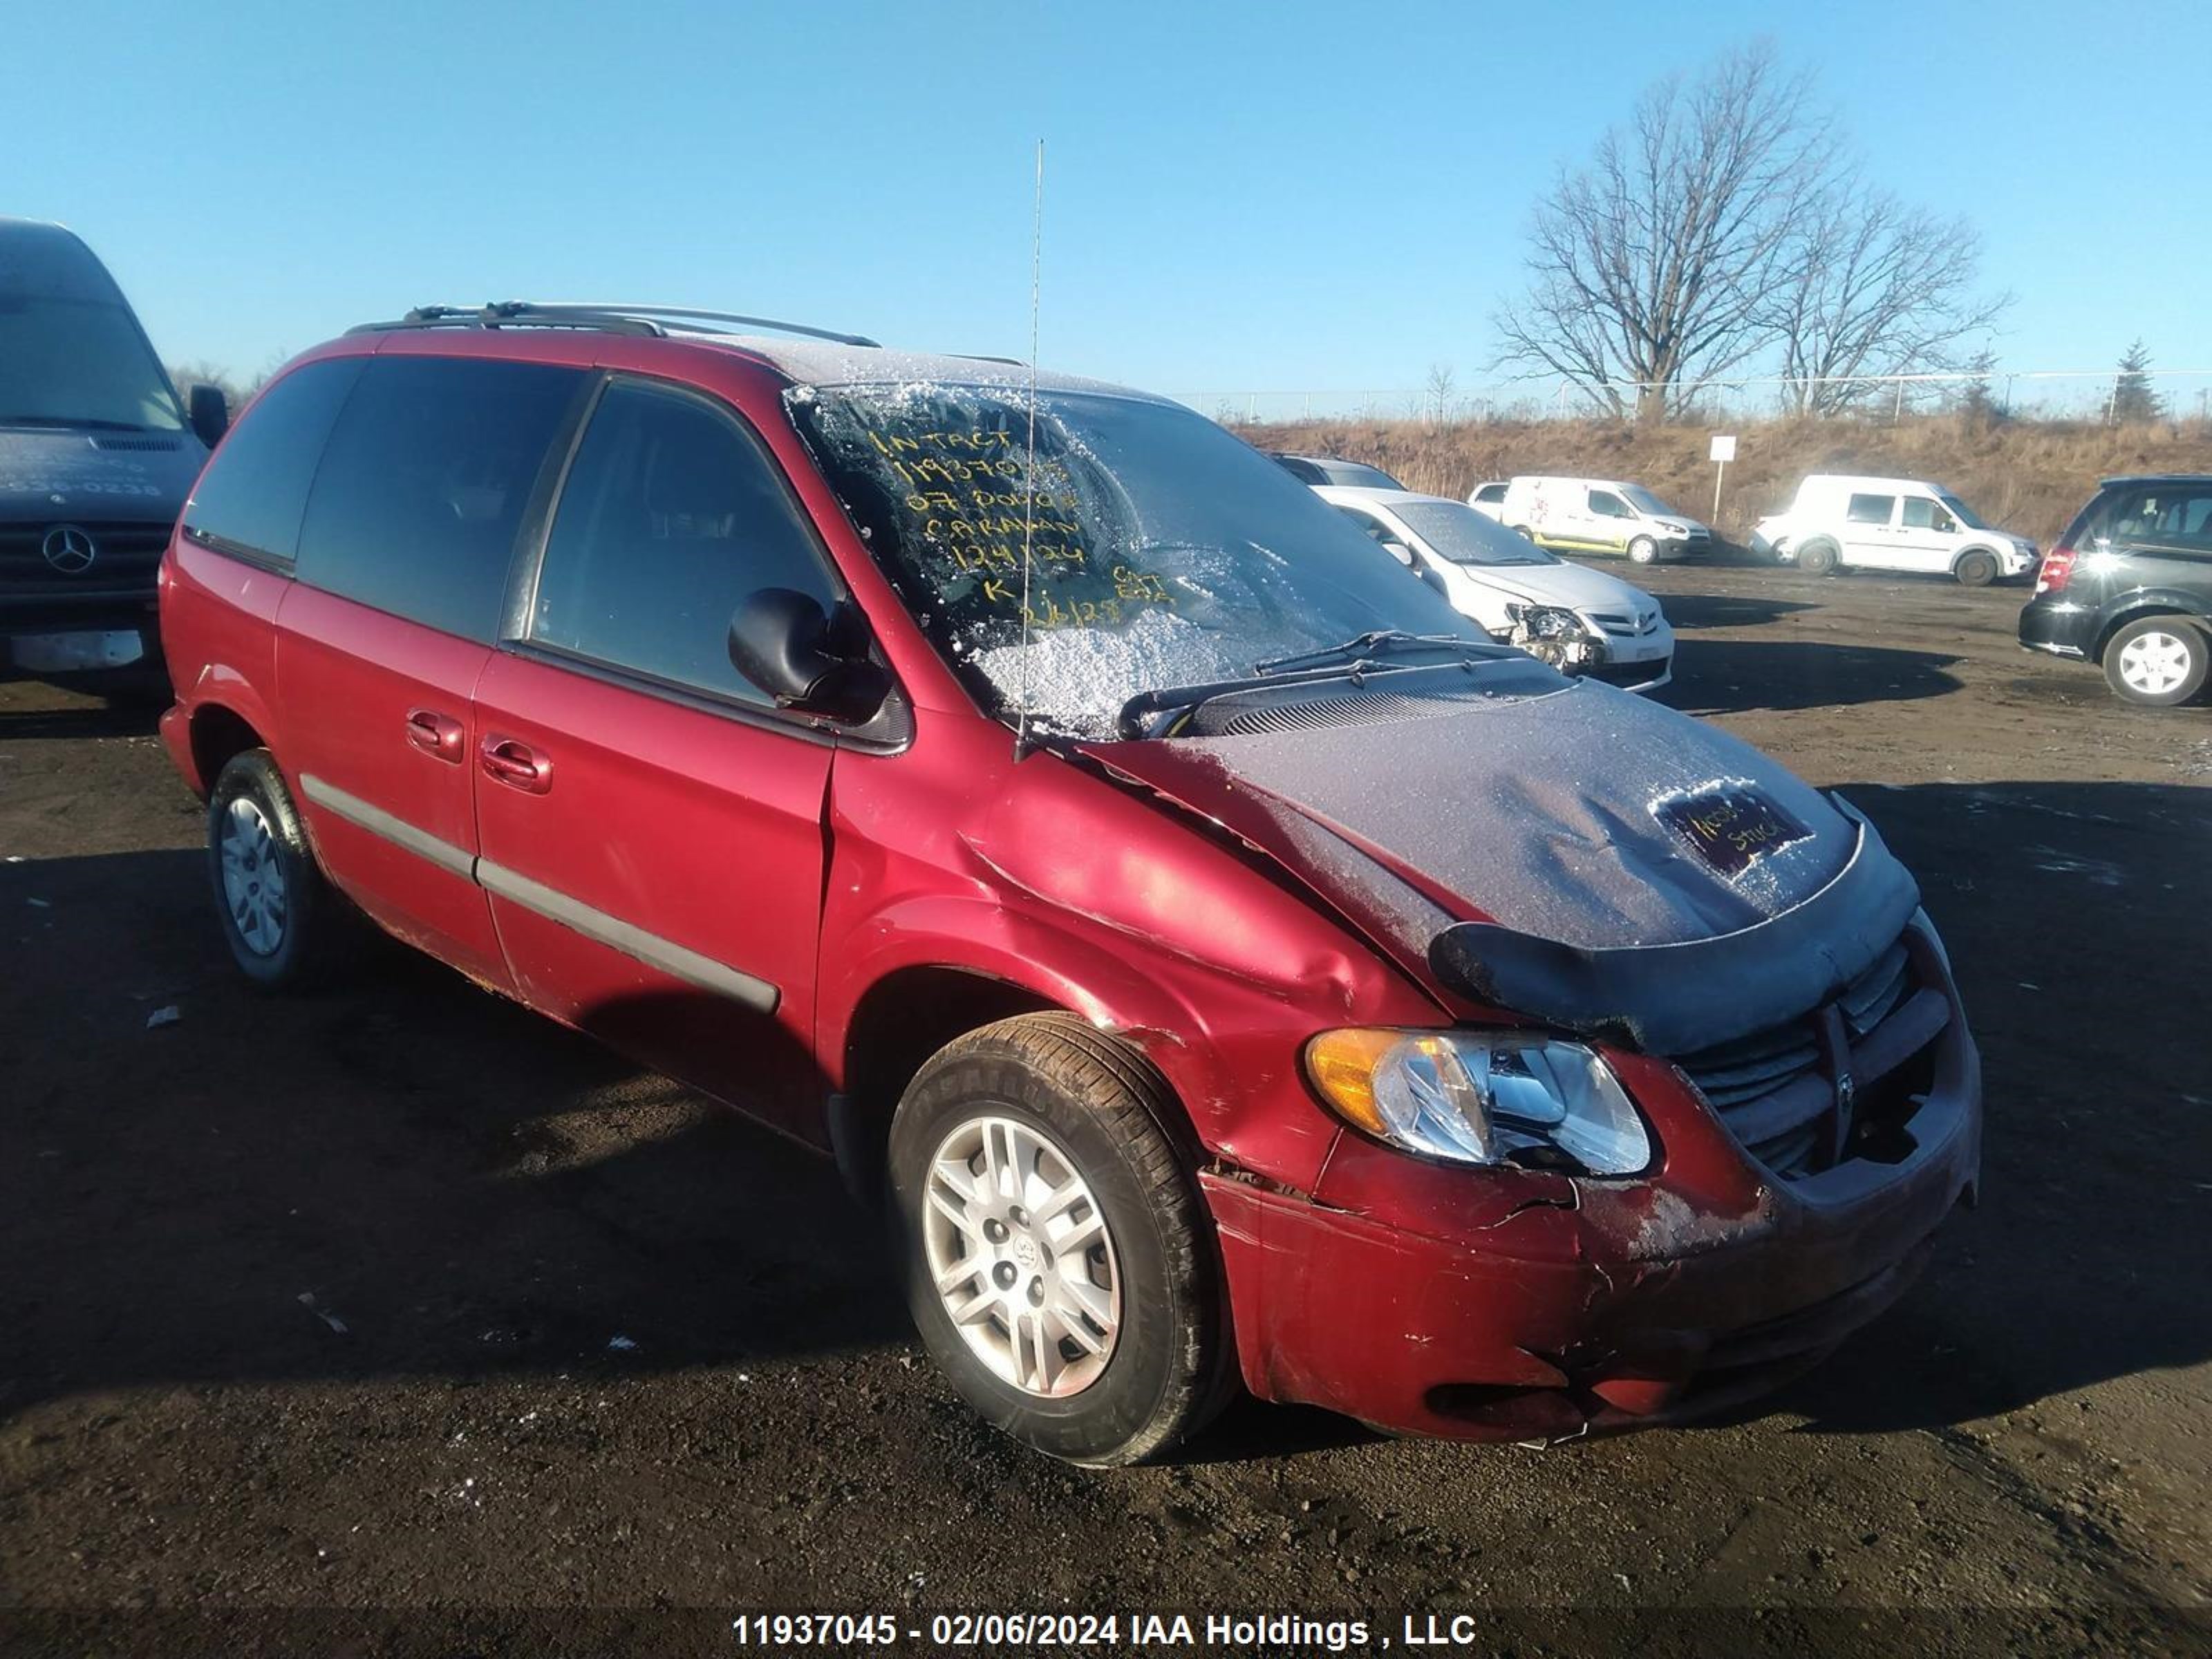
(1729, 824)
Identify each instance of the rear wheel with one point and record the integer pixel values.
(1977, 569)
(1523, 532)
(2159, 662)
(1817, 557)
(1643, 550)
(282, 921)
(1053, 1245)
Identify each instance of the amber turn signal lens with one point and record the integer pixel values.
(1342, 1066)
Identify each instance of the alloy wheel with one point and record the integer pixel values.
(2155, 663)
(253, 886)
(1021, 1256)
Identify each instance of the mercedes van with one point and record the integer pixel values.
(1222, 964)
(96, 454)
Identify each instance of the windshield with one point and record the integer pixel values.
(1358, 475)
(1457, 532)
(1163, 551)
(70, 352)
(1644, 501)
(1961, 512)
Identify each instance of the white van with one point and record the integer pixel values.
(1580, 621)
(1889, 524)
(1600, 515)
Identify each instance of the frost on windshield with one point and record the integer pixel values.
(1134, 547)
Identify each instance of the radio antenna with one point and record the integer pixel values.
(1028, 471)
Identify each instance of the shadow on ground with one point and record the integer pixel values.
(1726, 677)
(1688, 612)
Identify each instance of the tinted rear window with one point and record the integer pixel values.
(2149, 515)
(251, 495)
(425, 482)
(1871, 509)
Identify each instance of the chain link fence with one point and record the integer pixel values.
(2094, 396)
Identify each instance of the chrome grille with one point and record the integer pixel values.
(1778, 1091)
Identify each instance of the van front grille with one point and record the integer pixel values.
(124, 557)
(1835, 1083)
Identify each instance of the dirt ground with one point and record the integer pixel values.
(403, 1298)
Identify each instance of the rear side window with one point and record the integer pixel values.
(671, 515)
(2150, 516)
(424, 484)
(249, 498)
(1871, 509)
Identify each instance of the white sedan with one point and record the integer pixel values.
(1581, 621)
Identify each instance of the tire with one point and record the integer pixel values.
(1643, 550)
(1523, 532)
(1049, 1094)
(1818, 557)
(1976, 569)
(288, 940)
(2159, 662)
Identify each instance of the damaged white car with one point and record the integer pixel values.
(1579, 620)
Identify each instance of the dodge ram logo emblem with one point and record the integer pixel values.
(69, 548)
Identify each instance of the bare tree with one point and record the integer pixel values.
(1871, 286)
(1439, 393)
(1659, 263)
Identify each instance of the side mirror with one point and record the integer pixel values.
(210, 414)
(782, 641)
(1400, 551)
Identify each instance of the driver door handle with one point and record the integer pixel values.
(437, 734)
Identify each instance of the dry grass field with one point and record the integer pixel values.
(2026, 476)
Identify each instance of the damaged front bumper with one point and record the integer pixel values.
(1517, 1305)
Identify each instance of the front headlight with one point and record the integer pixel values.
(1545, 622)
(1481, 1098)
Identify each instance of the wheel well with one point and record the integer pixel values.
(2105, 637)
(218, 733)
(1966, 553)
(903, 1018)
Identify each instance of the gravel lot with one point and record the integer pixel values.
(403, 1297)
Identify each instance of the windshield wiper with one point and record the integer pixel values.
(72, 422)
(1377, 642)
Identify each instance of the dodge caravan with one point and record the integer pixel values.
(95, 457)
(1225, 964)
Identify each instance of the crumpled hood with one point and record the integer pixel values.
(1541, 814)
(1586, 858)
(57, 476)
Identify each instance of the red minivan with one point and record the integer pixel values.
(1224, 962)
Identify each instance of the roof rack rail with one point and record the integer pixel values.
(611, 318)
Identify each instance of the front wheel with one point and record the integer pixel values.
(1643, 550)
(1054, 1248)
(1817, 558)
(1977, 569)
(2159, 661)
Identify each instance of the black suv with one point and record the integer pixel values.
(2130, 587)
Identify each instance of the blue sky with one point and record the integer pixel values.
(1272, 197)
